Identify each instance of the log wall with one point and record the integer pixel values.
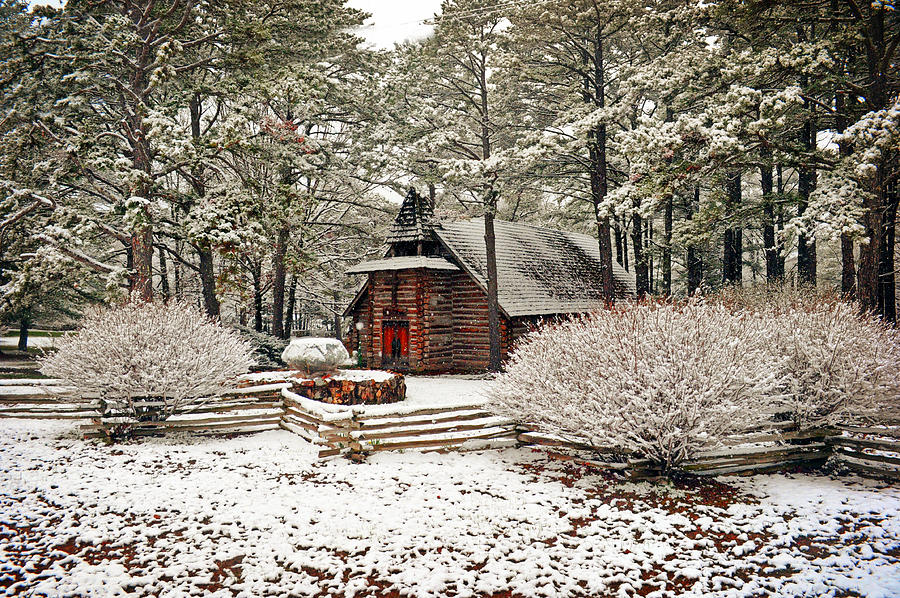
(471, 335)
(396, 296)
(360, 339)
(448, 321)
(438, 334)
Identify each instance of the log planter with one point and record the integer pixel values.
(339, 391)
(345, 387)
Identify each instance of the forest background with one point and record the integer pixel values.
(242, 154)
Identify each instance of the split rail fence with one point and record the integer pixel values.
(374, 428)
(869, 450)
(775, 446)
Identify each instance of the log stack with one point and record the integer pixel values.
(343, 391)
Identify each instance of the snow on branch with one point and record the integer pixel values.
(148, 360)
(662, 381)
(667, 380)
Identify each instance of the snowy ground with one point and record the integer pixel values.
(258, 515)
(42, 342)
(445, 390)
(420, 390)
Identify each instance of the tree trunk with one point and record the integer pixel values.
(291, 306)
(257, 298)
(490, 240)
(779, 221)
(490, 245)
(208, 281)
(641, 273)
(806, 177)
(278, 266)
(806, 248)
(164, 275)
(848, 268)
(599, 175)
(617, 236)
(598, 194)
(177, 269)
(732, 260)
(694, 262)
(870, 288)
(23, 334)
(770, 246)
(204, 251)
(667, 250)
(648, 245)
(336, 320)
(848, 263)
(142, 264)
(887, 289)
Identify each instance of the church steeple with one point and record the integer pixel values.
(411, 233)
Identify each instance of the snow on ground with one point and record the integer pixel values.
(257, 515)
(281, 375)
(447, 390)
(42, 342)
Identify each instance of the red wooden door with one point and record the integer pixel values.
(395, 343)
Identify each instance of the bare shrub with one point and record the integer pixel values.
(660, 380)
(147, 360)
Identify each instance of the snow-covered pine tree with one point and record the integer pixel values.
(456, 93)
(304, 95)
(567, 54)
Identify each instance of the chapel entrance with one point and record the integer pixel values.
(395, 344)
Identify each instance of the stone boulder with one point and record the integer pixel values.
(316, 356)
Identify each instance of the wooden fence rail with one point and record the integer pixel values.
(869, 450)
(252, 409)
(374, 428)
(872, 450)
(769, 448)
(40, 398)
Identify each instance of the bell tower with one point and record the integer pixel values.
(411, 233)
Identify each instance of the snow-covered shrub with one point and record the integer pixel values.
(147, 360)
(660, 380)
(839, 365)
(778, 298)
(836, 364)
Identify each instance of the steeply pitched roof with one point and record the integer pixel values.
(414, 222)
(541, 271)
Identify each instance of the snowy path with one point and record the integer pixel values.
(257, 515)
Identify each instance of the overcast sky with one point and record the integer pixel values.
(395, 21)
(392, 21)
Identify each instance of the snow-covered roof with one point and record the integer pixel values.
(403, 263)
(541, 271)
